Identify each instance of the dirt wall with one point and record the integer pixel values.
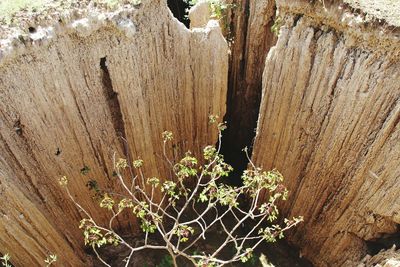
(79, 85)
(329, 121)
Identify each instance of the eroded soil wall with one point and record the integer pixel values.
(86, 86)
(329, 121)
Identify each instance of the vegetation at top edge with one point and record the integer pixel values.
(10, 7)
(217, 7)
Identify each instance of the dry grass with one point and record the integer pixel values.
(9, 7)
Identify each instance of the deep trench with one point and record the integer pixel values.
(281, 254)
(278, 254)
(231, 145)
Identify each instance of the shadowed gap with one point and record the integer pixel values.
(232, 143)
(385, 242)
(112, 100)
(179, 10)
(246, 66)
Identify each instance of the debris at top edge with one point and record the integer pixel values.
(28, 20)
(386, 10)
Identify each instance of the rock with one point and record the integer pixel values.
(200, 14)
(385, 258)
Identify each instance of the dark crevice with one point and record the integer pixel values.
(179, 10)
(115, 111)
(32, 29)
(244, 89)
(112, 100)
(231, 146)
(374, 246)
